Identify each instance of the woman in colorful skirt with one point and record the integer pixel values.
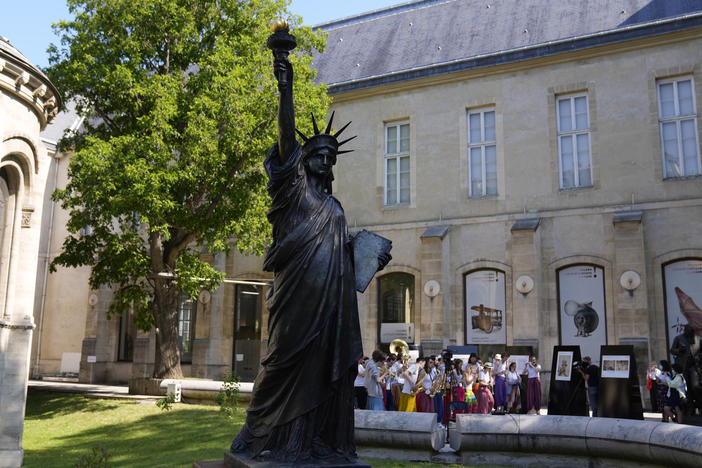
(470, 378)
(485, 399)
(514, 398)
(457, 391)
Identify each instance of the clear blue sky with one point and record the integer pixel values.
(28, 25)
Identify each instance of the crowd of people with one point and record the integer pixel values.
(446, 386)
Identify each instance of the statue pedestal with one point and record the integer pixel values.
(233, 460)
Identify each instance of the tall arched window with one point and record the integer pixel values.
(186, 327)
(396, 307)
(683, 296)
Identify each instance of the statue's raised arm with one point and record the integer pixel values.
(281, 42)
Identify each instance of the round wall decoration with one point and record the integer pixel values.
(432, 288)
(524, 284)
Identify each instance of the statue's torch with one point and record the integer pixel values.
(281, 42)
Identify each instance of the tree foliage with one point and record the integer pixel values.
(180, 104)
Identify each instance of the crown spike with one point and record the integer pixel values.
(345, 151)
(342, 129)
(302, 135)
(347, 140)
(329, 125)
(314, 124)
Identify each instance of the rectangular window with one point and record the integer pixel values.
(482, 153)
(186, 327)
(574, 141)
(397, 164)
(677, 117)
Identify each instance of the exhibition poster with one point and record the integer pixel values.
(582, 309)
(485, 307)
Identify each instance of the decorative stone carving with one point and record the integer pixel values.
(27, 217)
(22, 78)
(40, 91)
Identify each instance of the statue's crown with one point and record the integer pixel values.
(326, 139)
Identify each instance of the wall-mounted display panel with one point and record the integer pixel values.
(485, 307)
(582, 308)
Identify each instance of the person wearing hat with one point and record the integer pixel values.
(499, 371)
(485, 399)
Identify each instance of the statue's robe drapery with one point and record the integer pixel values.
(302, 403)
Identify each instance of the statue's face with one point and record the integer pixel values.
(322, 161)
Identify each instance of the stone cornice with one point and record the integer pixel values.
(16, 326)
(29, 86)
(542, 214)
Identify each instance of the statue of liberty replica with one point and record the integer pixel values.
(301, 411)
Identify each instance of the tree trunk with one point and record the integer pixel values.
(167, 359)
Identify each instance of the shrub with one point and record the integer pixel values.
(166, 403)
(228, 395)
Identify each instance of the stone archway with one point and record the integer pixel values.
(10, 220)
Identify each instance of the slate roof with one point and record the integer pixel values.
(428, 37)
(68, 118)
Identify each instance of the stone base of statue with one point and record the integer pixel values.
(235, 460)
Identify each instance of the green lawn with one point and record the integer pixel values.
(60, 428)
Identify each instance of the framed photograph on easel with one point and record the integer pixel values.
(564, 365)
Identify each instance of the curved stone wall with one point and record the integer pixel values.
(642, 442)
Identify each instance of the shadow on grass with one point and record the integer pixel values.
(41, 405)
(179, 437)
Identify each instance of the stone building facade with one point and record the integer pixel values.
(28, 101)
(536, 165)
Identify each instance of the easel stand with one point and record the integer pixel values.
(620, 397)
(567, 397)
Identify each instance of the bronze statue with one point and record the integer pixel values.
(301, 409)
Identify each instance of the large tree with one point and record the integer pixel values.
(180, 105)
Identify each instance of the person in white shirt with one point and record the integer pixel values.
(676, 393)
(514, 396)
(533, 370)
(359, 386)
(485, 399)
(499, 371)
(425, 403)
(396, 382)
(410, 376)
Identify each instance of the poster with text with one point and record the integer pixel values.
(683, 297)
(485, 307)
(582, 309)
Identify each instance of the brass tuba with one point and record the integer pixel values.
(399, 347)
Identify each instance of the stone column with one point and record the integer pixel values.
(88, 359)
(526, 261)
(15, 345)
(631, 307)
(434, 260)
